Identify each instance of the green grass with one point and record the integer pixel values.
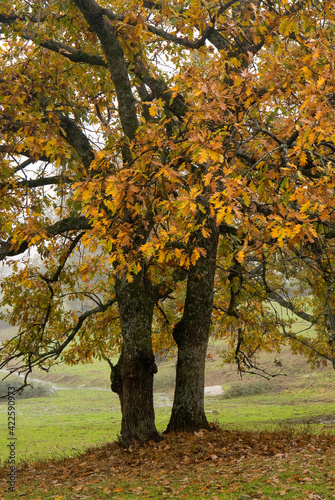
(255, 413)
(85, 413)
(62, 425)
(75, 419)
(81, 415)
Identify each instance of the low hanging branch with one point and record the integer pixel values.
(314, 350)
(54, 352)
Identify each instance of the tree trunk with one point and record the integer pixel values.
(191, 335)
(116, 380)
(188, 412)
(137, 367)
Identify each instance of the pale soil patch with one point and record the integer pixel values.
(213, 390)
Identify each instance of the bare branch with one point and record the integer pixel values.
(313, 349)
(57, 351)
(74, 55)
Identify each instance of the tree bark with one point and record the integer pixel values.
(191, 335)
(137, 367)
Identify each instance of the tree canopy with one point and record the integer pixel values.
(146, 143)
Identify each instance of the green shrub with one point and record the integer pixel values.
(253, 388)
(36, 390)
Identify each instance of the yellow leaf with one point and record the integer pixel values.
(130, 279)
(202, 156)
(303, 159)
(153, 110)
(246, 199)
(240, 256)
(207, 179)
(276, 231)
(228, 218)
(201, 208)
(35, 239)
(195, 256)
(182, 260)
(305, 206)
(205, 232)
(161, 256)
(321, 81)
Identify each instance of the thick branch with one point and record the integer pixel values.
(69, 130)
(10, 249)
(159, 88)
(74, 55)
(118, 68)
(77, 139)
(32, 158)
(185, 42)
(274, 296)
(33, 183)
(80, 322)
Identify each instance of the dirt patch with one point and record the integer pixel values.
(214, 390)
(319, 419)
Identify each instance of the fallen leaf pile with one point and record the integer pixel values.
(181, 455)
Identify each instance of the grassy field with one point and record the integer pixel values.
(84, 413)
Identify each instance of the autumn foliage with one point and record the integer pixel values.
(151, 151)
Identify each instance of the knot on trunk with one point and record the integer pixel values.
(143, 362)
(178, 332)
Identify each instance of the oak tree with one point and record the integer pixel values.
(145, 143)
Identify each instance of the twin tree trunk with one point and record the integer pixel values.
(191, 335)
(133, 375)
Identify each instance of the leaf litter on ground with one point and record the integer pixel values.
(217, 463)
